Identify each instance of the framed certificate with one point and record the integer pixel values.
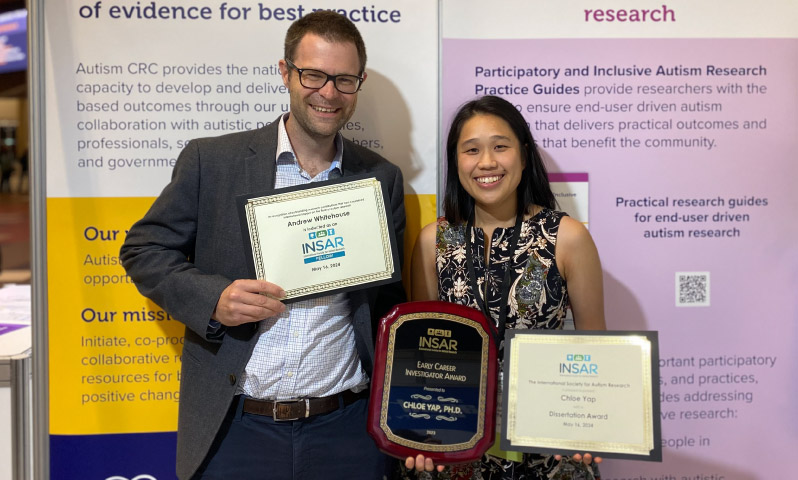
(571, 392)
(321, 238)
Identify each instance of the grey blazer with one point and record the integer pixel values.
(188, 248)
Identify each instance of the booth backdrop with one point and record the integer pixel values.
(679, 117)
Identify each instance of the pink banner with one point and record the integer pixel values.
(690, 147)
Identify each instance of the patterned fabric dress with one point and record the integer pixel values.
(538, 299)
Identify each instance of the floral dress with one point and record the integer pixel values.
(538, 295)
(538, 299)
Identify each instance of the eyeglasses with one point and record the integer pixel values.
(310, 78)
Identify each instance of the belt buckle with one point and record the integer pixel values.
(277, 417)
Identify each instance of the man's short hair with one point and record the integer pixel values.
(329, 25)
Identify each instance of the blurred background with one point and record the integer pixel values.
(14, 172)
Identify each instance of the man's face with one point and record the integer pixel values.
(320, 112)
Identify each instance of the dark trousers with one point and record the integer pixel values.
(331, 446)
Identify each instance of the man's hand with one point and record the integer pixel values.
(245, 301)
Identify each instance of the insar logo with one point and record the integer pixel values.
(435, 342)
(323, 245)
(439, 332)
(578, 364)
(329, 243)
(571, 357)
(321, 233)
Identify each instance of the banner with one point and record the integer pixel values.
(127, 85)
(683, 116)
(672, 124)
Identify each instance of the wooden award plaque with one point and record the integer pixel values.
(434, 383)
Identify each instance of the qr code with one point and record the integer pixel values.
(692, 289)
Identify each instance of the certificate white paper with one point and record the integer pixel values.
(321, 239)
(576, 392)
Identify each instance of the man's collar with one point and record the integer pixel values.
(284, 145)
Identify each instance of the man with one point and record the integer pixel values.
(243, 348)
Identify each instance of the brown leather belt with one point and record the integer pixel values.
(302, 408)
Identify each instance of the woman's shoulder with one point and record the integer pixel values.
(562, 226)
(431, 230)
(428, 233)
(571, 233)
(439, 223)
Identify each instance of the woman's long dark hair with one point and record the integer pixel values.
(534, 188)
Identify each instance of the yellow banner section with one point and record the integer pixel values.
(420, 210)
(114, 355)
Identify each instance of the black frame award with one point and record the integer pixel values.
(321, 238)
(569, 392)
(434, 383)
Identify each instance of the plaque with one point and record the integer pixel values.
(321, 238)
(569, 392)
(434, 383)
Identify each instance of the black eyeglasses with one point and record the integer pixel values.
(310, 78)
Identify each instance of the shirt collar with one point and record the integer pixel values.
(285, 152)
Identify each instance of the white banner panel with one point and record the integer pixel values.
(126, 85)
(129, 84)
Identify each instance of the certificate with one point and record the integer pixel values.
(321, 238)
(582, 391)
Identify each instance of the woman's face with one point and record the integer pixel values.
(490, 161)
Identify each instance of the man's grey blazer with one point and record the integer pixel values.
(188, 248)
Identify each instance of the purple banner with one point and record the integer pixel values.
(690, 146)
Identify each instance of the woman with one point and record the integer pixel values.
(503, 249)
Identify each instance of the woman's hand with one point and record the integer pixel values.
(421, 464)
(587, 458)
